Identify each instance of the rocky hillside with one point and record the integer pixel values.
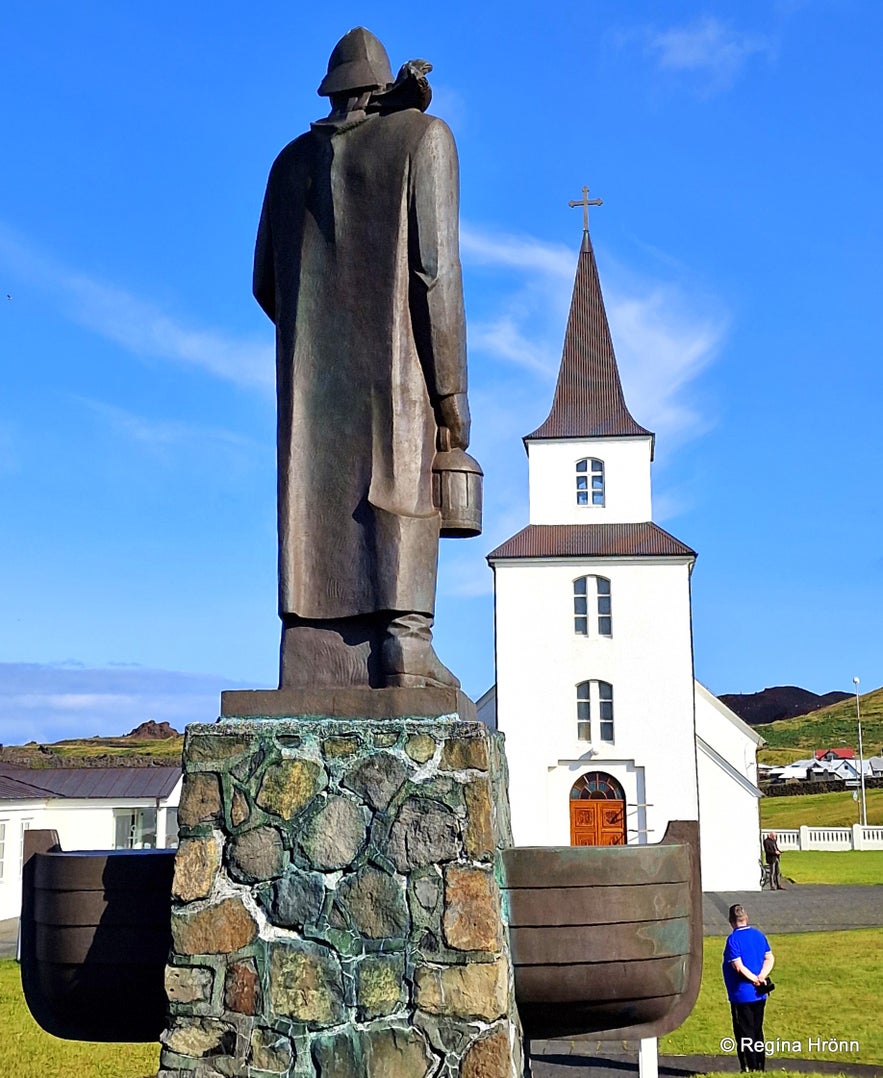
(780, 702)
(150, 743)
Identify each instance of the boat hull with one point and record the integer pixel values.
(606, 940)
(95, 938)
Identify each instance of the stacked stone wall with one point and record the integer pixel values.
(336, 908)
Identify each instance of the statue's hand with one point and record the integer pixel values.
(453, 413)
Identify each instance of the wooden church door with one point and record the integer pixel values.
(597, 811)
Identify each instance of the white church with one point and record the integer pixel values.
(608, 735)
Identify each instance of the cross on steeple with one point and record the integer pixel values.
(585, 202)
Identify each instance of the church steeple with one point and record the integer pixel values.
(588, 401)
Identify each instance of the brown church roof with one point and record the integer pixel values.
(591, 540)
(588, 397)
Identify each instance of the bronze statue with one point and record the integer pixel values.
(357, 264)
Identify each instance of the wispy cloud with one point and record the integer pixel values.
(709, 47)
(52, 701)
(663, 339)
(161, 436)
(137, 324)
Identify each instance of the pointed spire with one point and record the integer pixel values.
(588, 402)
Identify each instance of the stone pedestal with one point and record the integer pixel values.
(336, 909)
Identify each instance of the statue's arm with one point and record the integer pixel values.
(264, 282)
(436, 286)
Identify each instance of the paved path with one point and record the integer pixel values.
(799, 908)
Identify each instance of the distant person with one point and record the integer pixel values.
(772, 853)
(748, 962)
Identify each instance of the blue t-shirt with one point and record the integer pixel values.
(751, 945)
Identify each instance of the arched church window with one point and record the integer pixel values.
(596, 786)
(590, 481)
(598, 589)
(594, 696)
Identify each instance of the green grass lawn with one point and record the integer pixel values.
(821, 866)
(827, 986)
(28, 1052)
(819, 810)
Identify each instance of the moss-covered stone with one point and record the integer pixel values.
(462, 754)
(288, 786)
(420, 747)
(340, 746)
(379, 985)
(306, 983)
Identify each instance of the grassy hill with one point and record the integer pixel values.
(828, 727)
(126, 751)
(819, 810)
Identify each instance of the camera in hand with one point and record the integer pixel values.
(764, 987)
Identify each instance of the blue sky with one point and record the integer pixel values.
(737, 149)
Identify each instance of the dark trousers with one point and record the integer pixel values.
(748, 1031)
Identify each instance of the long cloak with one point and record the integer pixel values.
(357, 263)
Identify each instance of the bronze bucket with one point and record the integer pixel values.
(456, 489)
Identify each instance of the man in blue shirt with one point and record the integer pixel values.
(748, 962)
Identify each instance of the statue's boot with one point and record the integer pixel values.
(408, 658)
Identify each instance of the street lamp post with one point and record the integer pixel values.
(861, 755)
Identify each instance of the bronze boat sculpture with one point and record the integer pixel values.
(95, 936)
(606, 940)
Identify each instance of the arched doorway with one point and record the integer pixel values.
(597, 811)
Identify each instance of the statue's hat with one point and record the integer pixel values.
(358, 62)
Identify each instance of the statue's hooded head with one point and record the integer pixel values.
(358, 62)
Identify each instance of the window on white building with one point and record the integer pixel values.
(594, 696)
(584, 711)
(599, 589)
(135, 829)
(590, 481)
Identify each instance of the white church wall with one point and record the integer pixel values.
(648, 660)
(729, 804)
(552, 468)
(728, 822)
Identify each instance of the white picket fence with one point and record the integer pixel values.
(829, 838)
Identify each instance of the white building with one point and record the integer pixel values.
(91, 808)
(608, 737)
